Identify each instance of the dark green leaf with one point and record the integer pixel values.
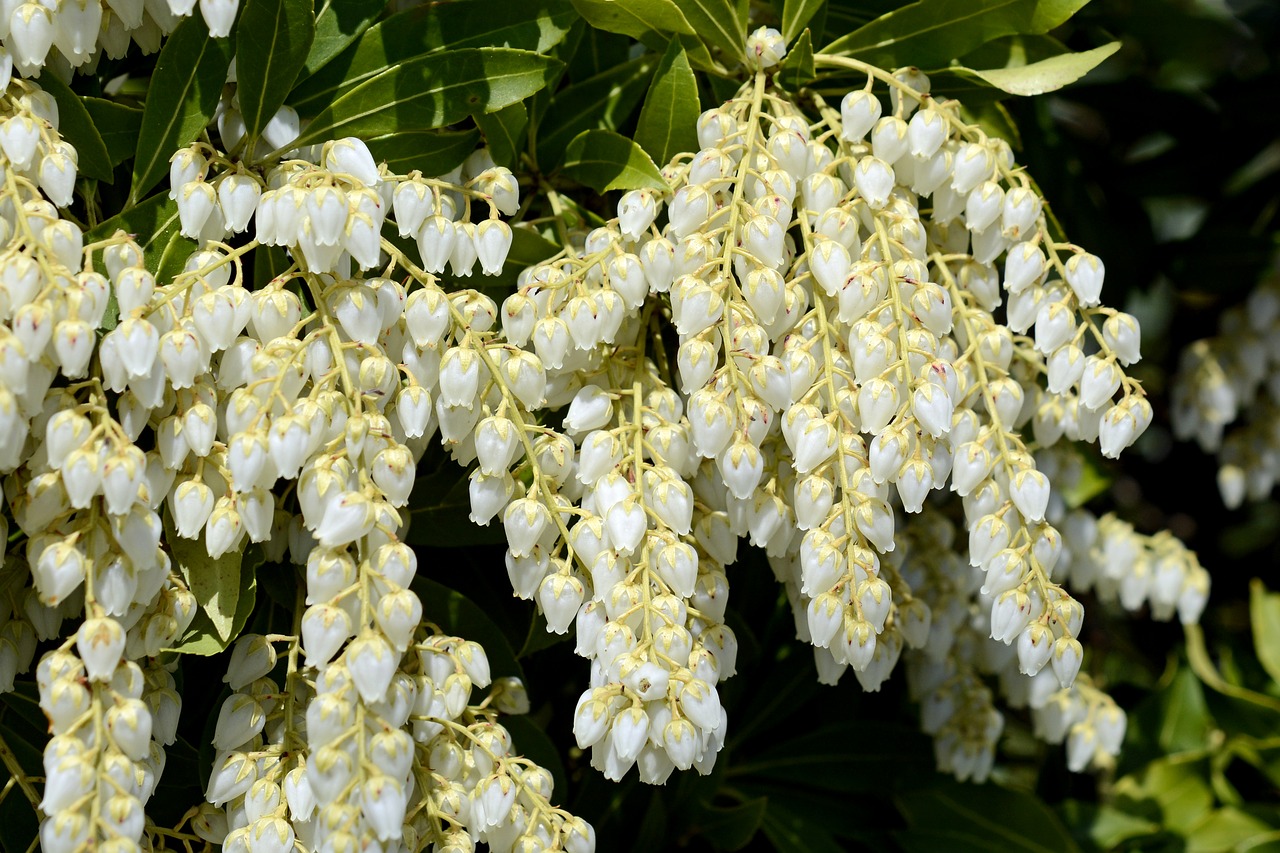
(440, 501)
(1104, 826)
(76, 126)
(984, 817)
(796, 14)
(602, 102)
(533, 743)
(1185, 723)
(225, 589)
(155, 225)
(669, 118)
(539, 637)
(789, 835)
(457, 615)
(273, 40)
(604, 160)
(433, 91)
(933, 32)
(1264, 614)
(796, 70)
(596, 52)
(172, 258)
(635, 18)
(534, 25)
(730, 828)
(184, 91)
(719, 23)
(268, 262)
(432, 152)
(338, 24)
(118, 125)
(823, 759)
(504, 132)
(23, 728)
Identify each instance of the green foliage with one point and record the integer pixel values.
(671, 108)
(273, 42)
(604, 160)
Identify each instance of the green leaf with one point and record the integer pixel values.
(1228, 829)
(533, 25)
(601, 102)
(155, 225)
(273, 40)
(983, 817)
(720, 23)
(440, 501)
(796, 69)
(338, 24)
(268, 262)
(819, 759)
(76, 126)
(1264, 614)
(459, 616)
(184, 91)
(117, 124)
(433, 91)
(669, 118)
(730, 828)
(1047, 75)
(504, 132)
(794, 836)
(933, 32)
(1185, 723)
(432, 152)
(534, 744)
(635, 18)
(1170, 791)
(225, 589)
(604, 160)
(796, 14)
(1105, 826)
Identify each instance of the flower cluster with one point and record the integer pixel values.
(75, 34)
(833, 288)
(1232, 380)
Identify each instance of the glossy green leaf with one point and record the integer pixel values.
(458, 615)
(273, 40)
(635, 18)
(225, 590)
(1047, 75)
(432, 152)
(733, 827)
(720, 23)
(595, 52)
(984, 817)
(433, 91)
(154, 224)
(604, 160)
(1264, 615)
(504, 132)
(601, 102)
(796, 15)
(117, 125)
(797, 69)
(669, 118)
(183, 94)
(338, 24)
(77, 127)
(533, 25)
(269, 262)
(933, 32)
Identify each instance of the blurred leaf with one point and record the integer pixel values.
(1264, 615)
(432, 91)
(982, 817)
(532, 25)
(118, 125)
(603, 102)
(225, 588)
(1047, 75)
(796, 70)
(338, 24)
(796, 14)
(76, 126)
(669, 117)
(432, 152)
(504, 133)
(1229, 829)
(1104, 825)
(933, 32)
(1185, 723)
(457, 615)
(1171, 792)
(604, 160)
(181, 98)
(732, 827)
(793, 836)
(824, 758)
(273, 40)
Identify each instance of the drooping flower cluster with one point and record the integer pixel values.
(76, 34)
(1226, 396)
(832, 286)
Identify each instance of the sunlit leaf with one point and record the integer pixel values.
(604, 160)
(669, 117)
(273, 39)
